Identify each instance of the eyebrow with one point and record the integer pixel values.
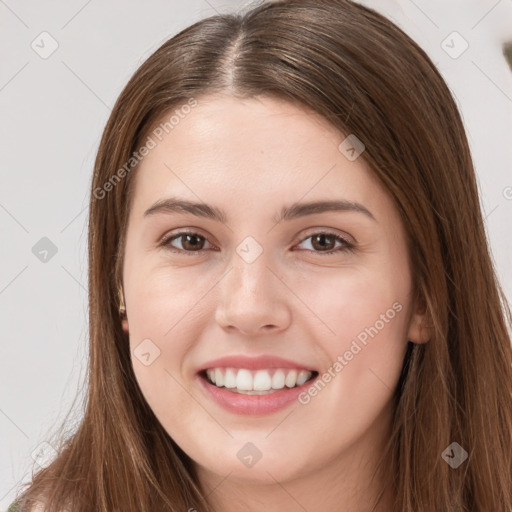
(294, 211)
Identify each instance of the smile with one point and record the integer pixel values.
(254, 392)
(251, 382)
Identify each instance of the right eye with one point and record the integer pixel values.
(190, 241)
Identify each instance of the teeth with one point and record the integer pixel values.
(291, 379)
(230, 378)
(303, 377)
(262, 381)
(219, 377)
(256, 382)
(278, 380)
(243, 380)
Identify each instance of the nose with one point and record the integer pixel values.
(252, 298)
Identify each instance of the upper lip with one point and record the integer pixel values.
(253, 363)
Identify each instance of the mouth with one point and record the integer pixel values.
(254, 392)
(257, 382)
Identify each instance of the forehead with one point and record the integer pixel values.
(255, 152)
(233, 126)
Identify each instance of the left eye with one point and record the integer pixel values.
(321, 240)
(324, 243)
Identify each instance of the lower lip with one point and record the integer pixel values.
(239, 403)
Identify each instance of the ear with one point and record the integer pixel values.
(420, 330)
(124, 324)
(122, 310)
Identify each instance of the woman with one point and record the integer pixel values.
(292, 302)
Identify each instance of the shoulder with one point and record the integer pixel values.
(37, 507)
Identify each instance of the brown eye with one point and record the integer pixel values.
(190, 242)
(322, 243)
(325, 243)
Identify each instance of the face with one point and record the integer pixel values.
(319, 293)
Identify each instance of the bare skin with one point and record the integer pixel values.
(252, 158)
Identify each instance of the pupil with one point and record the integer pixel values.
(322, 243)
(193, 237)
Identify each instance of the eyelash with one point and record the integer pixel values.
(347, 246)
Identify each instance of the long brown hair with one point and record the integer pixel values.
(367, 77)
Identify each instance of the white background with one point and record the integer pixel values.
(53, 112)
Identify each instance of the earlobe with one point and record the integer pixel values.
(122, 311)
(125, 325)
(419, 334)
(419, 327)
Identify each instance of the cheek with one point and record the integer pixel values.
(350, 301)
(364, 329)
(163, 313)
(163, 300)
(161, 336)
